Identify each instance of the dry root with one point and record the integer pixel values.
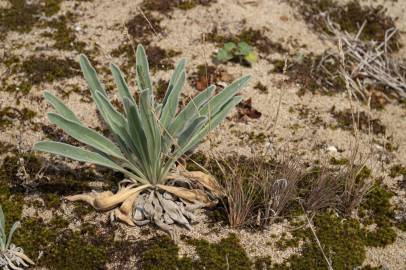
(14, 258)
(164, 205)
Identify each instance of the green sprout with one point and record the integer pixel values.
(241, 52)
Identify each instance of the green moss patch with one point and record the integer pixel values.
(63, 248)
(341, 240)
(142, 30)
(165, 7)
(363, 121)
(397, 170)
(162, 253)
(53, 133)
(86, 247)
(160, 59)
(6, 147)
(377, 210)
(226, 253)
(12, 204)
(40, 69)
(64, 35)
(261, 88)
(344, 240)
(10, 115)
(161, 89)
(37, 69)
(22, 16)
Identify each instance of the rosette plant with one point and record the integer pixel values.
(145, 143)
(11, 257)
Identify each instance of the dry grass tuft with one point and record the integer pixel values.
(256, 190)
(341, 188)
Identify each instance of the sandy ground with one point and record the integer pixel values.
(101, 24)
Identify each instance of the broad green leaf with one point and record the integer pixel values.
(244, 48)
(251, 58)
(146, 113)
(60, 107)
(86, 135)
(223, 55)
(122, 85)
(91, 76)
(229, 46)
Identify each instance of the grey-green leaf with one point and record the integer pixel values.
(191, 111)
(191, 130)
(169, 108)
(217, 102)
(60, 107)
(122, 85)
(91, 76)
(136, 129)
(180, 67)
(212, 123)
(78, 154)
(10, 234)
(142, 69)
(86, 135)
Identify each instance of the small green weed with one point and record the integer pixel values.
(241, 52)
